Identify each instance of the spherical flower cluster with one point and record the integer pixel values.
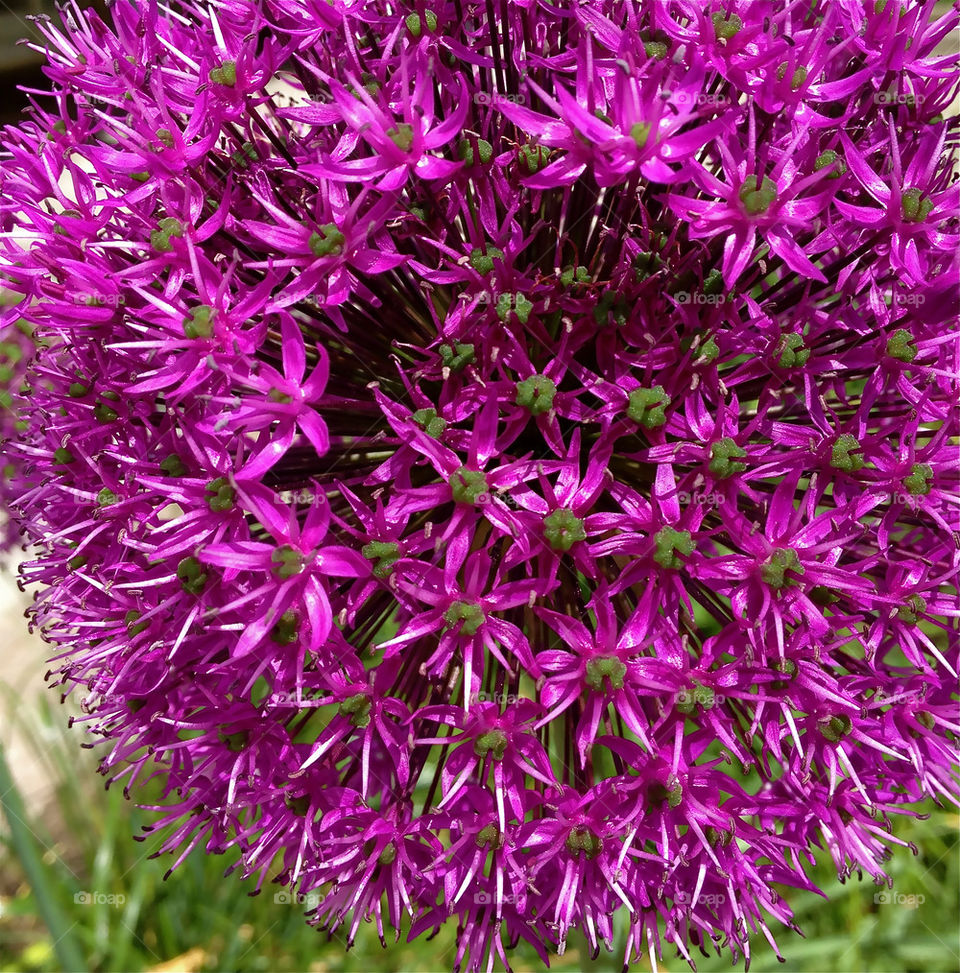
(500, 459)
(16, 350)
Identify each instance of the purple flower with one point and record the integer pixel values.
(910, 203)
(499, 464)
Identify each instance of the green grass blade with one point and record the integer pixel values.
(21, 838)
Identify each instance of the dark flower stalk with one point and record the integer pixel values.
(16, 351)
(500, 459)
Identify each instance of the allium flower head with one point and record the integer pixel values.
(500, 459)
